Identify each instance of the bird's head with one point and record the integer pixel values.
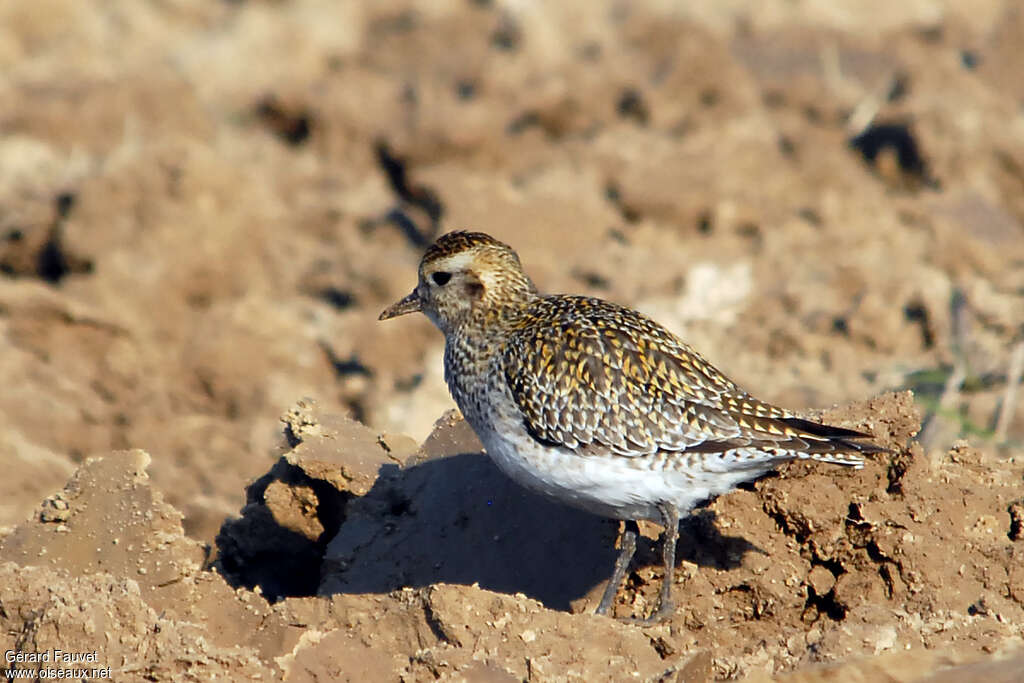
(465, 276)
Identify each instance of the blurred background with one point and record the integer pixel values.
(205, 204)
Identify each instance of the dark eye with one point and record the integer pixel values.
(441, 278)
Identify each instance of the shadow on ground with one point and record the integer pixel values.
(339, 514)
(460, 520)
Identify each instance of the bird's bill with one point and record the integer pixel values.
(410, 304)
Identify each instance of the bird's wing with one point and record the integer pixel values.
(595, 377)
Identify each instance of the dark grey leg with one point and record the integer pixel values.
(670, 518)
(621, 565)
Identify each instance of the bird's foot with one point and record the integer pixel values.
(664, 612)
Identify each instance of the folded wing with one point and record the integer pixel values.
(598, 378)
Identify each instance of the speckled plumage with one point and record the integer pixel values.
(595, 377)
(595, 404)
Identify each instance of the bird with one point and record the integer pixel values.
(597, 406)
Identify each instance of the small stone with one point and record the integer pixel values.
(821, 580)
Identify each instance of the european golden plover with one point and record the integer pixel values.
(596, 405)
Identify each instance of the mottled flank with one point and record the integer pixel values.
(590, 375)
(594, 404)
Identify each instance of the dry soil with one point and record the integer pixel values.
(205, 205)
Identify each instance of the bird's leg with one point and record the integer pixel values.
(670, 519)
(628, 547)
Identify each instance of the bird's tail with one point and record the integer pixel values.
(835, 445)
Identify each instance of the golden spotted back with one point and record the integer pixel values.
(600, 378)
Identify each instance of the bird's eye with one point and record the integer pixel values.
(441, 278)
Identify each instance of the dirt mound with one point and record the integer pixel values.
(442, 567)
